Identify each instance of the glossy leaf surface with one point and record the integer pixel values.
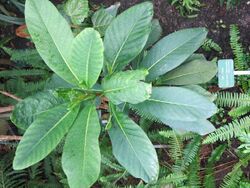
(127, 35)
(27, 110)
(87, 57)
(52, 36)
(81, 159)
(133, 149)
(43, 135)
(172, 50)
(127, 86)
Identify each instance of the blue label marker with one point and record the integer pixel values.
(226, 73)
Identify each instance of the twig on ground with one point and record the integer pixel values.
(10, 95)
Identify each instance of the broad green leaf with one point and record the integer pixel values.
(193, 72)
(198, 89)
(155, 34)
(175, 103)
(132, 148)
(77, 10)
(102, 18)
(127, 87)
(172, 50)
(43, 135)
(52, 36)
(201, 126)
(27, 110)
(127, 35)
(81, 159)
(87, 57)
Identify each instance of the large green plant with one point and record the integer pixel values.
(80, 60)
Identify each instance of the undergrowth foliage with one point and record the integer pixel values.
(93, 77)
(241, 58)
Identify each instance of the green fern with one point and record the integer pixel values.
(191, 150)
(28, 56)
(175, 144)
(106, 160)
(229, 131)
(193, 173)
(8, 177)
(173, 178)
(239, 111)
(209, 180)
(240, 61)
(245, 145)
(210, 45)
(233, 178)
(22, 72)
(227, 99)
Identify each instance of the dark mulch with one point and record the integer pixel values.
(211, 16)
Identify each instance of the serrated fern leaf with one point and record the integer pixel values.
(175, 144)
(227, 99)
(209, 180)
(8, 177)
(22, 72)
(193, 175)
(174, 178)
(27, 56)
(107, 162)
(232, 179)
(191, 150)
(240, 63)
(209, 45)
(239, 111)
(229, 131)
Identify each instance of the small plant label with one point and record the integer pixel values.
(226, 73)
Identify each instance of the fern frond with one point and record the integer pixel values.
(193, 173)
(173, 178)
(209, 180)
(110, 178)
(229, 131)
(175, 144)
(107, 162)
(228, 99)
(144, 114)
(191, 150)
(209, 45)
(233, 178)
(239, 111)
(31, 87)
(245, 145)
(8, 177)
(27, 56)
(188, 135)
(22, 72)
(237, 48)
(154, 136)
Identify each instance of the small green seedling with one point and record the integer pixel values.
(226, 73)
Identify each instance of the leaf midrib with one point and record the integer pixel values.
(119, 51)
(173, 103)
(165, 55)
(48, 132)
(119, 123)
(88, 60)
(37, 9)
(85, 141)
(181, 75)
